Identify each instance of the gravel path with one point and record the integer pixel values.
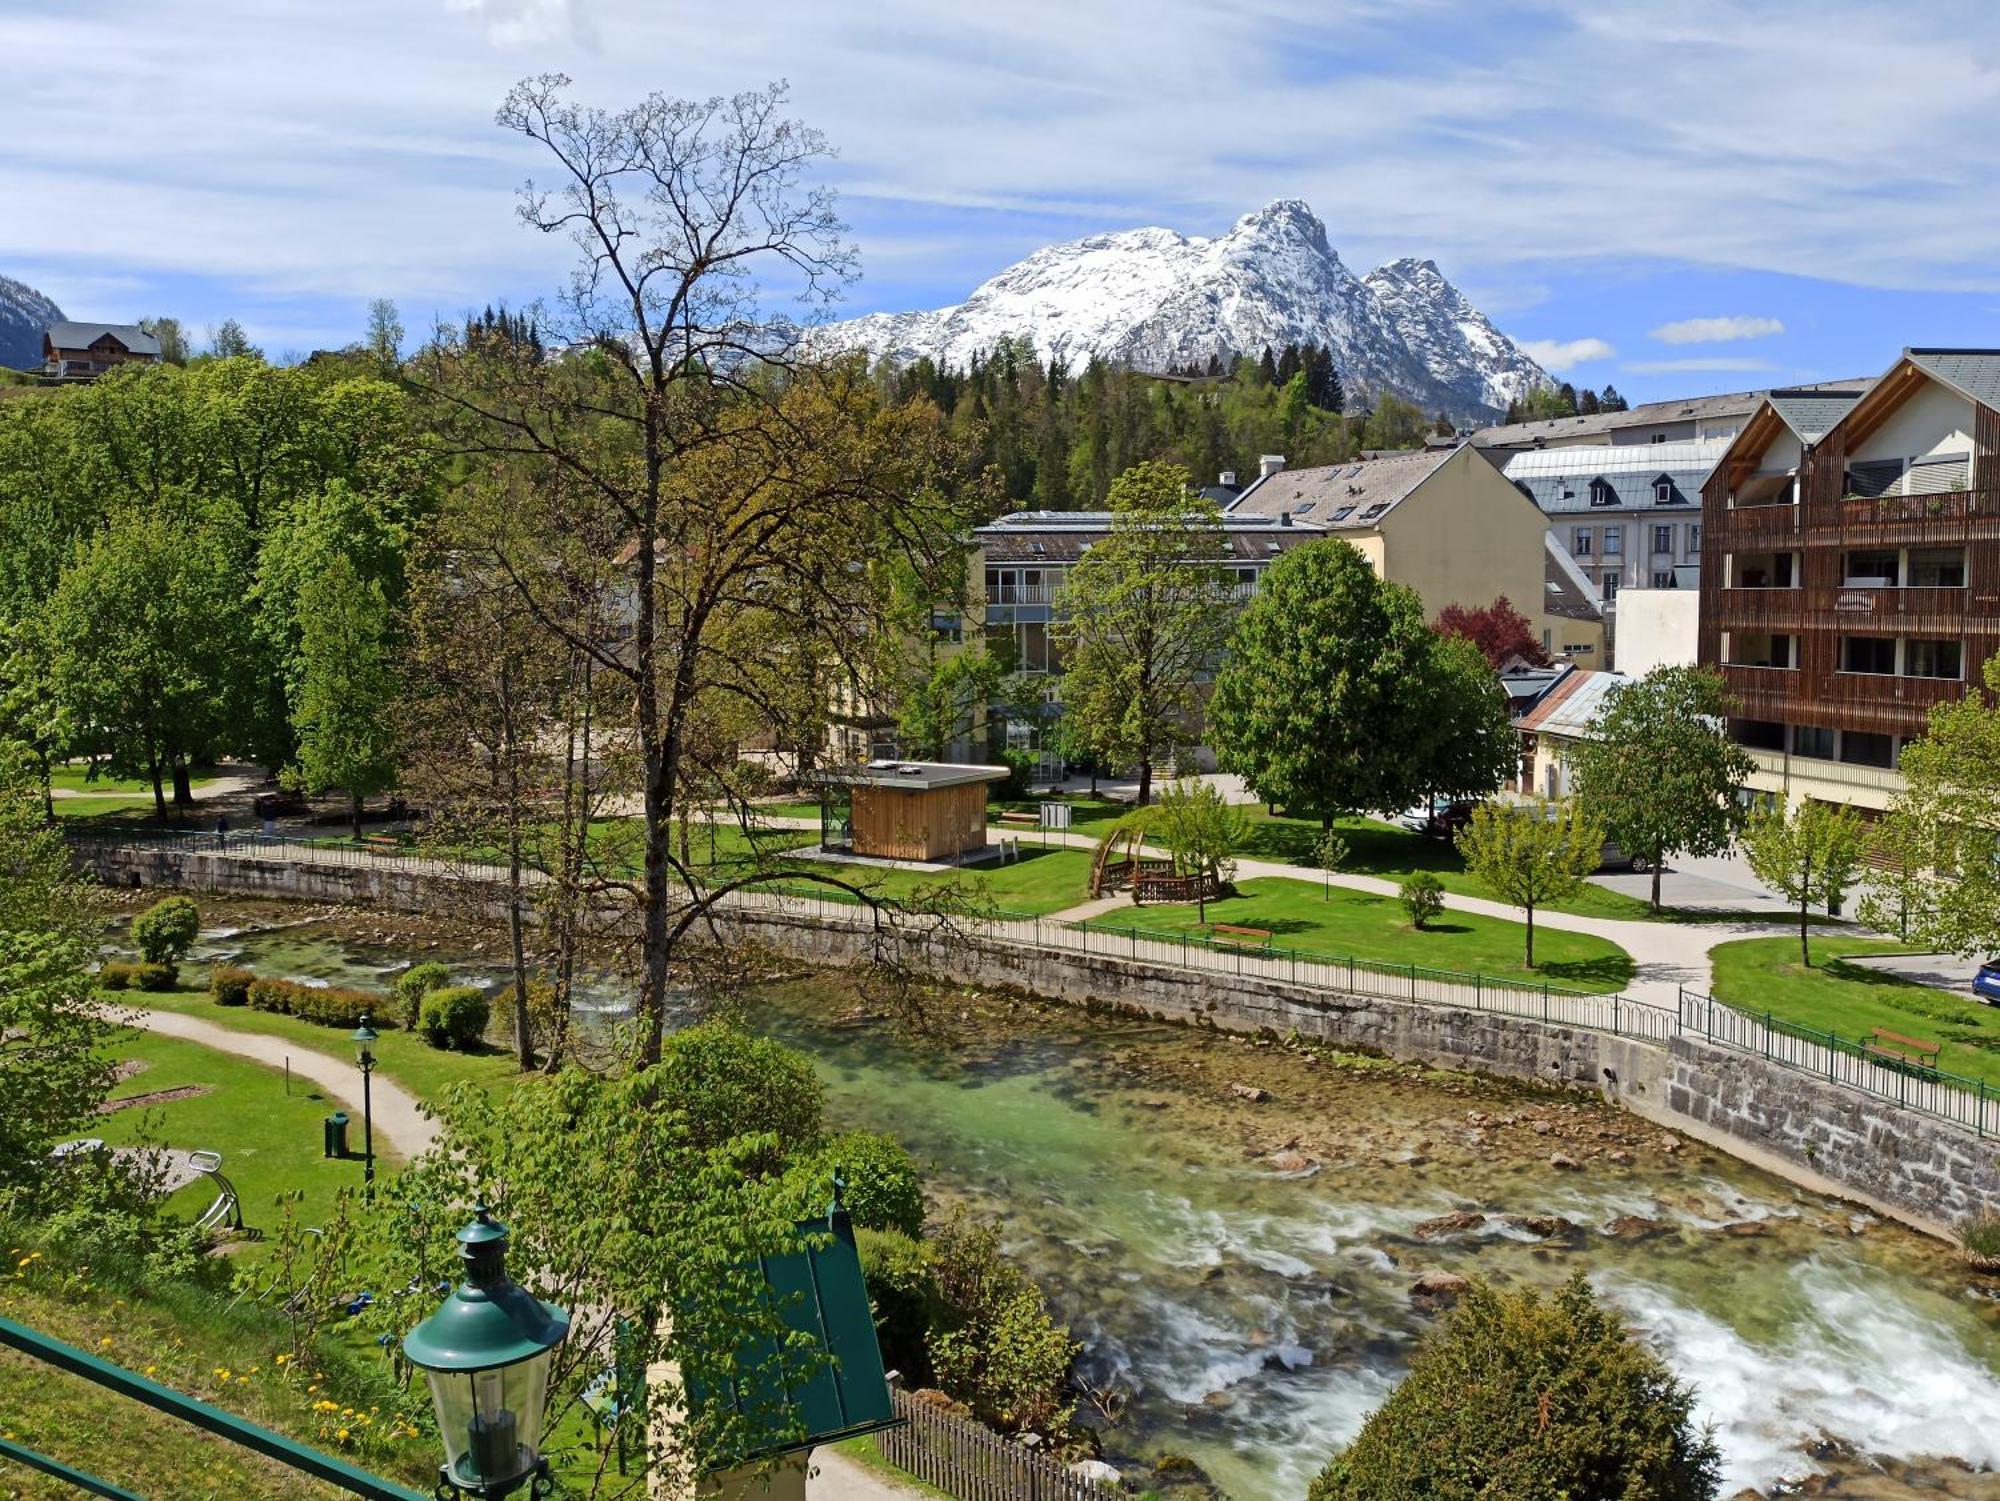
(400, 1122)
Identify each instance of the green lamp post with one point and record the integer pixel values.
(364, 1039)
(486, 1355)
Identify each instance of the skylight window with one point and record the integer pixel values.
(1375, 510)
(1342, 514)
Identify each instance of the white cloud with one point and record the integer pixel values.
(1716, 330)
(1563, 354)
(344, 152)
(1716, 362)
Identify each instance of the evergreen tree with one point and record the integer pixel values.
(1611, 401)
(1267, 367)
(1587, 402)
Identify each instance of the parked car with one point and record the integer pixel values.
(1986, 984)
(1439, 818)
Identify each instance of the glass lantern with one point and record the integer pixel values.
(364, 1039)
(486, 1355)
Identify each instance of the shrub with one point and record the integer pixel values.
(454, 1017)
(1979, 1238)
(1001, 1353)
(115, 974)
(166, 930)
(1423, 898)
(883, 1189)
(1020, 766)
(1519, 1396)
(229, 984)
(725, 1083)
(151, 976)
(324, 1005)
(902, 1287)
(413, 984)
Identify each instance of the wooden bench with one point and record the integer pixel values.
(1247, 937)
(385, 842)
(1027, 818)
(1908, 1052)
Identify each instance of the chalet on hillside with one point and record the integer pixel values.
(84, 351)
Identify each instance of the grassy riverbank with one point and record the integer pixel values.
(1358, 924)
(1761, 975)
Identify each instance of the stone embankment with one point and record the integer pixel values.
(1925, 1172)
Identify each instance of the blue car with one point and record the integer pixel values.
(1986, 984)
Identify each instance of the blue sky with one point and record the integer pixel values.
(1676, 197)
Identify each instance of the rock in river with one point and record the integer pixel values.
(1456, 1223)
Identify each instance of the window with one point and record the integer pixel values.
(1694, 539)
(1246, 576)
(1861, 748)
(1614, 541)
(1601, 493)
(1609, 587)
(1302, 507)
(1812, 742)
(1663, 578)
(1934, 659)
(1663, 491)
(1939, 475)
(947, 626)
(1034, 647)
(1658, 438)
(1663, 540)
(1342, 514)
(1872, 477)
(1937, 568)
(1873, 654)
(1375, 510)
(1877, 568)
(1758, 734)
(1580, 542)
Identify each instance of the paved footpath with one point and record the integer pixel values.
(835, 1477)
(400, 1122)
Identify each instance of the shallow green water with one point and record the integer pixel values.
(1253, 1317)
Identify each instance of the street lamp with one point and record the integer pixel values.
(486, 1354)
(364, 1040)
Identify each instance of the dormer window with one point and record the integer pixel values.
(1663, 491)
(1601, 493)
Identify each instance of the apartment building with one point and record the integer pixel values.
(1630, 515)
(1445, 522)
(1685, 419)
(1851, 570)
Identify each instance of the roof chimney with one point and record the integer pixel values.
(1227, 477)
(1284, 518)
(1269, 465)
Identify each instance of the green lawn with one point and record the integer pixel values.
(405, 1057)
(269, 1138)
(1762, 975)
(74, 776)
(1360, 925)
(1381, 849)
(114, 803)
(1040, 882)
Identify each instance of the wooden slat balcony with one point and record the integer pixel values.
(1915, 520)
(1893, 612)
(1744, 528)
(1762, 692)
(1759, 609)
(1881, 690)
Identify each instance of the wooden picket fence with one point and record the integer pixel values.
(973, 1463)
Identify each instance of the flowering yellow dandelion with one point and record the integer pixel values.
(342, 1435)
(104, 1343)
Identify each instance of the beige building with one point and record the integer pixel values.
(1445, 522)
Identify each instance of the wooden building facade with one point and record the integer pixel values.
(910, 810)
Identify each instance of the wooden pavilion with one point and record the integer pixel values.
(908, 810)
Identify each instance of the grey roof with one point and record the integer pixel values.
(1561, 594)
(915, 776)
(83, 335)
(1572, 706)
(1571, 479)
(1646, 414)
(1975, 372)
(1810, 413)
(1341, 496)
(1061, 537)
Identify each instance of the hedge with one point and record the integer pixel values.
(229, 984)
(325, 1005)
(123, 974)
(455, 1017)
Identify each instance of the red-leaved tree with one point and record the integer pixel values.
(1499, 630)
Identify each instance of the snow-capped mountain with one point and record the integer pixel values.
(24, 313)
(1152, 298)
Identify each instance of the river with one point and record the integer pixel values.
(1240, 1268)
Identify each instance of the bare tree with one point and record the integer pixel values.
(754, 490)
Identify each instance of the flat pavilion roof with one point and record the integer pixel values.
(915, 776)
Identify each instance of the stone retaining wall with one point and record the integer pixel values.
(1925, 1172)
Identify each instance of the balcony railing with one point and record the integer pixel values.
(1020, 594)
(1869, 608)
(1777, 765)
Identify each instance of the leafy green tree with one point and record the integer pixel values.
(883, 1190)
(1203, 832)
(1394, 423)
(1516, 1397)
(1942, 833)
(166, 930)
(172, 337)
(1814, 855)
(1659, 770)
(1336, 698)
(1000, 1351)
(142, 639)
(1531, 854)
(228, 341)
(54, 1066)
(346, 734)
(384, 340)
(1143, 617)
(723, 1082)
(952, 702)
(1329, 853)
(1423, 898)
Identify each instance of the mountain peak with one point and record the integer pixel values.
(1154, 299)
(24, 314)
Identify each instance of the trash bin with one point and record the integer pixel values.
(336, 1134)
